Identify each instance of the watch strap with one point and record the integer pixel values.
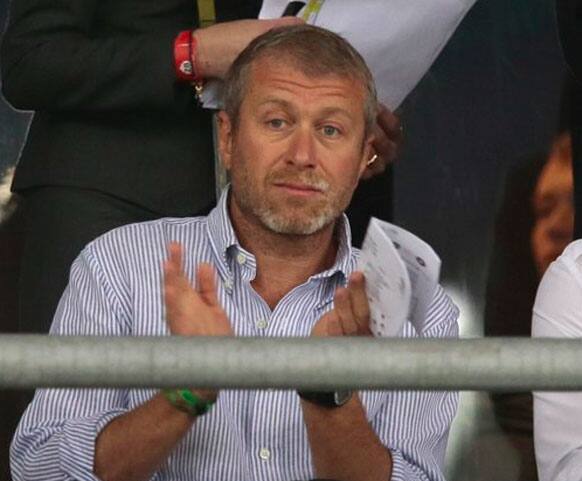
(328, 399)
(186, 401)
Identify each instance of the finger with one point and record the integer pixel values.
(359, 301)
(344, 311)
(390, 123)
(174, 261)
(206, 284)
(384, 146)
(172, 270)
(333, 325)
(179, 296)
(378, 166)
(286, 21)
(328, 325)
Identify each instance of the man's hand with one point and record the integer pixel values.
(189, 311)
(388, 139)
(219, 44)
(351, 313)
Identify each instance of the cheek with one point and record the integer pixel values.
(536, 238)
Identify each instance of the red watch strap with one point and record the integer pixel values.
(184, 54)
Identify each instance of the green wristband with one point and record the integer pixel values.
(186, 401)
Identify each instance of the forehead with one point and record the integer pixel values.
(282, 77)
(555, 176)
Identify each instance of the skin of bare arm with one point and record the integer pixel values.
(214, 55)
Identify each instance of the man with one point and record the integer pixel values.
(273, 259)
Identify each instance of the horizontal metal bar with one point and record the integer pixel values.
(492, 364)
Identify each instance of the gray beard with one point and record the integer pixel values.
(281, 225)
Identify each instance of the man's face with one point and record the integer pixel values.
(553, 206)
(298, 151)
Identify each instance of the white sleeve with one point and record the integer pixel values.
(558, 415)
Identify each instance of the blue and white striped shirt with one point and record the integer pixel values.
(115, 289)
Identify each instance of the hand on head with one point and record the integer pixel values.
(388, 138)
(219, 45)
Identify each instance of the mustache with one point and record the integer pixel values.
(306, 178)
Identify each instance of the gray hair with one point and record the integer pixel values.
(314, 51)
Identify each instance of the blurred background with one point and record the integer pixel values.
(485, 178)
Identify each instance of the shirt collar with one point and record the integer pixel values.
(222, 237)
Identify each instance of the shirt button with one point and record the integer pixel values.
(265, 454)
(228, 284)
(241, 258)
(262, 324)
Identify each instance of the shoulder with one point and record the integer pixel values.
(558, 305)
(124, 255)
(146, 237)
(572, 253)
(442, 316)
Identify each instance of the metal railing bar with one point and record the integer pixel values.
(490, 364)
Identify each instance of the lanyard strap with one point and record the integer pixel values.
(206, 13)
(312, 9)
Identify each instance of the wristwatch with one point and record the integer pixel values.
(330, 399)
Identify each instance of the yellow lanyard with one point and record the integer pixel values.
(312, 9)
(206, 13)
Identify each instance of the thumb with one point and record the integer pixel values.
(286, 21)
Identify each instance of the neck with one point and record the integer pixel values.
(284, 261)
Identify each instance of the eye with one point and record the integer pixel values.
(330, 131)
(276, 124)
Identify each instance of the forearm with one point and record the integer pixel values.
(90, 75)
(146, 436)
(344, 446)
(55, 58)
(217, 46)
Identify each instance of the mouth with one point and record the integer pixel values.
(297, 188)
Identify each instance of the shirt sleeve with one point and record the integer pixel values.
(415, 425)
(558, 415)
(55, 439)
(57, 57)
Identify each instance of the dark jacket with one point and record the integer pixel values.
(109, 114)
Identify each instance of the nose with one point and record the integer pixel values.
(302, 149)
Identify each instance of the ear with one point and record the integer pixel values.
(225, 139)
(367, 154)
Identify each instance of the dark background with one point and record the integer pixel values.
(490, 100)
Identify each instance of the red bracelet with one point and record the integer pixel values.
(184, 57)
